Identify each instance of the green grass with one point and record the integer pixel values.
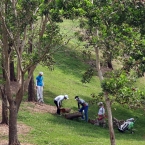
(48, 129)
(56, 130)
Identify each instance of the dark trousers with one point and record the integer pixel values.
(85, 111)
(58, 109)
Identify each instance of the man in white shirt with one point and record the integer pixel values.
(58, 102)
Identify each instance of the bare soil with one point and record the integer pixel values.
(22, 128)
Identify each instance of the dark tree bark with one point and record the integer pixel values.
(3, 72)
(13, 138)
(31, 86)
(4, 107)
(31, 91)
(109, 64)
(12, 72)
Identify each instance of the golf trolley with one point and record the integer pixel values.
(127, 125)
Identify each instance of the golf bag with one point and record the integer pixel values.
(127, 125)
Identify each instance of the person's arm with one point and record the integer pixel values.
(78, 105)
(59, 101)
(103, 110)
(36, 82)
(42, 82)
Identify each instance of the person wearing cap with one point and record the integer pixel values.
(83, 108)
(58, 102)
(100, 120)
(101, 115)
(101, 112)
(39, 87)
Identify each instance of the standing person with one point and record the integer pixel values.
(101, 112)
(101, 115)
(58, 102)
(100, 120)
(83, 108)
(39, 87)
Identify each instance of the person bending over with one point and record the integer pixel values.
(83, 108)
(58, 102)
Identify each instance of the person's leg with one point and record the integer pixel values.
(41, 94)
(58, 110)
(81, 110)
(38, 93)
(86, 113)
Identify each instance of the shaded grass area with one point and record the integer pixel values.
(56, 130)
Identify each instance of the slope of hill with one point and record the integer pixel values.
(50, 129)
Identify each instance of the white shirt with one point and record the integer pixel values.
(101, 111)
(59, 99)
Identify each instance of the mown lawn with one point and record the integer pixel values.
(66, 78)
(56, 130)
(48, 129)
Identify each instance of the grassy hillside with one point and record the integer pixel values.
(48, 129)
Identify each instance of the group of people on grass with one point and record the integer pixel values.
(82, 104)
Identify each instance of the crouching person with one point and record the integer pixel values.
(84, 107)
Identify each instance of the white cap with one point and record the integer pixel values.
(66, 96)
(41, 73)
(100, 103)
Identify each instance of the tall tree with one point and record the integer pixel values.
(4, 106)
(16, 17)
(107, 27)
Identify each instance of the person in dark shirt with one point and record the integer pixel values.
(84, 107)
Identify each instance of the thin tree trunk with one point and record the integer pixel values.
(31, 88)
(109, 61)
(13, 137)
(98, 64)
(110, 122)
(107, 100)
(31, 91)
(12, 72)
(4, 107)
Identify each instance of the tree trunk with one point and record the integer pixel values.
(109, 61)
(13, 137)
(98, 64)
(31, 90)
(4, 107)
(110, 121)
(31, 86)
(12, 72)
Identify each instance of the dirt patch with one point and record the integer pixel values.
(40, 108)
(4, 142)
(22, 128)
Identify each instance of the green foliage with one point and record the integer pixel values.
(115, 81)
(87, 75)
(121, 86)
